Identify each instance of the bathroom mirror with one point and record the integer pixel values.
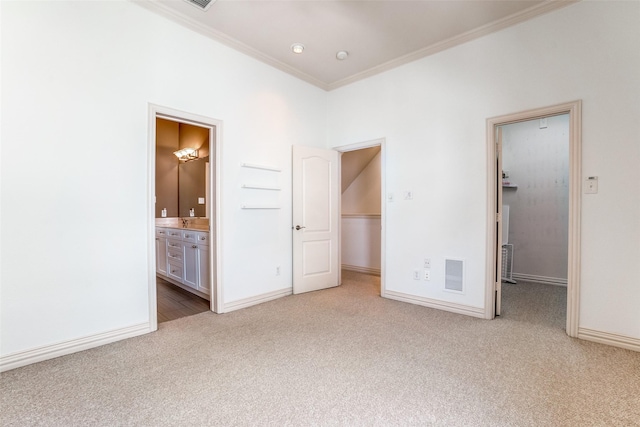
(181, 186)
(192, 188)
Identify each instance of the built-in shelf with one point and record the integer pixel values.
(259, 187)
(263, 167)
(514, 186)
(259, 207)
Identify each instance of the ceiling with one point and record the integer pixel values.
(378, 35)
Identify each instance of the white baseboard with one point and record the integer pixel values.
(23, 358)
(556, 281)
(432, 303)
(608, 338)
(258, 299)
(366, 270)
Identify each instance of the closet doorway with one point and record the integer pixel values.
(534, 218)
(362, 212)
(184, 214)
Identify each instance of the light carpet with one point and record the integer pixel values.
(339, 357)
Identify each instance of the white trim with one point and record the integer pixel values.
(555, 281)
(38, 354)
(608, 338)
(359, 269)
(574, 109)
(382, 143)
(437, 304)
(215, 193)
(258, 299)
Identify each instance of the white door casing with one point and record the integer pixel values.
(498, 302)
(574, 109)
(316, 220)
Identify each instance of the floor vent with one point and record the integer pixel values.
(453, 275)
(201, 4)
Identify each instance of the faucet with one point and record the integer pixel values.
(185, 222)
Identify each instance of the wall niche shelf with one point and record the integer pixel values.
(263, 167)
(259, 207)
(259, 187)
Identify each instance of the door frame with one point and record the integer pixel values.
(380, 142)
(215, 195)
(574, 109)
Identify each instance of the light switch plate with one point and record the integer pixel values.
(201, 200)
(591, 185)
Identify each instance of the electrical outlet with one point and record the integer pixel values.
(427, 263)
(427, 275)
(416, 275)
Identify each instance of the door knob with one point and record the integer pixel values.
(298, 227)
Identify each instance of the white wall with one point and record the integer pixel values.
(433, 114)
(77, 78)
(537, 160)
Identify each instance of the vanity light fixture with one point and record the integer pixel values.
(297, 48)
(342, 55)
(186, 154)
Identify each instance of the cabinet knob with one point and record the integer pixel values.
(203, 238)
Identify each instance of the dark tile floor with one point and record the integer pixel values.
(175, 302)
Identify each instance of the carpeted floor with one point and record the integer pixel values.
(343, 357)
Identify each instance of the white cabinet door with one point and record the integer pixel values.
(191, 265)
(161, 255)
(203, 269)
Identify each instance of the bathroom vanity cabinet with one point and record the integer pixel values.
(182, 258)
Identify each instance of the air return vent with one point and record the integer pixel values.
(201, 4)
(453, 271)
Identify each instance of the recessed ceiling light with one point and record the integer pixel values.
(342, 55)
(297, 48)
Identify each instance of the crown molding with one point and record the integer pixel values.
(218, 36)
(493, 27)
(532, 12)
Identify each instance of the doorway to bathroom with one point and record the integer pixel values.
(184, 218)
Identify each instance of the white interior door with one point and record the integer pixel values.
(499, 222)
(316, 209)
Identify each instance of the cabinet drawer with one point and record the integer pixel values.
(203, 238)
(189, 236)
(173, 233)
(161, 232)
(175, 270)
(175, 256)
(175, 245)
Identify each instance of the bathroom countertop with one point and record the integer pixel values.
(185, 228)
